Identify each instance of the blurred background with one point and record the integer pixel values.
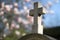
(16, 22)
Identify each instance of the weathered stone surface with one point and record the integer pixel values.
(34, 36)
(37, 12)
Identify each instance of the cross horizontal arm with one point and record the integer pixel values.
(31, 12)
(40, 12)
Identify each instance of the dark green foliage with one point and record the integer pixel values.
(54, 32)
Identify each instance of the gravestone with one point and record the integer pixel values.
(37, 31)
(36, 13)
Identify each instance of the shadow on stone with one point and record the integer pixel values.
(34, 36)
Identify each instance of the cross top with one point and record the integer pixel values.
(36, 12)
(36, 5)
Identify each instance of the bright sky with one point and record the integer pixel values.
(52, 18)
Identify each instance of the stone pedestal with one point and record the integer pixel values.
(34, 36)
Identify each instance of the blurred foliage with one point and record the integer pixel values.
(13, 36)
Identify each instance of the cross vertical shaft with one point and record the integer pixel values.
(35, 26)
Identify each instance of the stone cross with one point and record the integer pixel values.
(37, 13)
